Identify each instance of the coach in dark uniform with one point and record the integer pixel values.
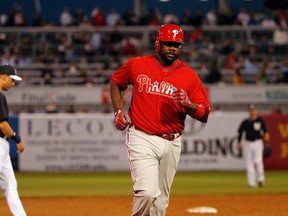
(256, 135)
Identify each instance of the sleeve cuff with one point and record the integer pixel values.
(202, 113)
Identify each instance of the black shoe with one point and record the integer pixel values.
(260, 184)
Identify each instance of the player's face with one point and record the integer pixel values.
(170, 51)
(7, 82)
(252, 113)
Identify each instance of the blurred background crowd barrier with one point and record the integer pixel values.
(72, 47)
(65, 58)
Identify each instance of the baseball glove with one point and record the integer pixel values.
(267, 151)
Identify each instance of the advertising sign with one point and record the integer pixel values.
(63, 142)
(90, 142)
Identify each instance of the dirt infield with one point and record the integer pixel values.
(238, 205)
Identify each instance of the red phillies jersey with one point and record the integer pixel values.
(152, 108)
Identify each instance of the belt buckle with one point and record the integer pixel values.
(170, 137)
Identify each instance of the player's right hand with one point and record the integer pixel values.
(180, 96)
(120, 121)
(20, 147)
(239, 149)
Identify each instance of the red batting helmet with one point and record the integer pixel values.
(169, 32)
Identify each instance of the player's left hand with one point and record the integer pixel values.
(267, 151)
(180, 96)
(121, 122)
(20, 147)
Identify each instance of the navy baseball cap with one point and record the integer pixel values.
(10, 71)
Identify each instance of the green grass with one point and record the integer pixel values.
(73, 184)
(215, 183)
(119, 184)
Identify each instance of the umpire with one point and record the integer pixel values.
(256, 136)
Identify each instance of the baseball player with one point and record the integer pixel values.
(7, 177)
(256, 132)
(165, 91)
